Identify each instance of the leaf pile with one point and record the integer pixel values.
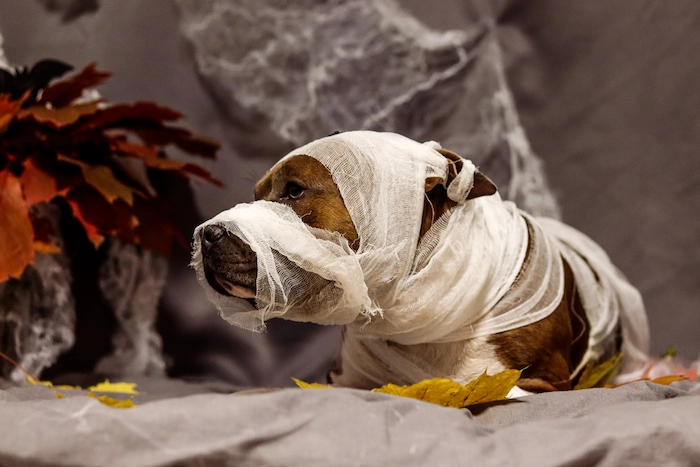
(62, 142)
(446, 392)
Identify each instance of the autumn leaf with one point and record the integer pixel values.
(42, 184)
(145, 112)
(9, 110)
(662, 380)
(16, 247)
(111, 402)
(448, 393)
(305, 385)
(63, 93)
(596, 376)
(667, 380)
(59, 117)
(103, 180)
(99, 218)
(33, 381)
(183, 139)
(151, 157)
(121, 387)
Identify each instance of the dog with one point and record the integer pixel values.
(551, 350)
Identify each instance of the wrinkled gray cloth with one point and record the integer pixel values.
(638, 424)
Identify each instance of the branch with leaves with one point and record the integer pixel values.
(61, 141)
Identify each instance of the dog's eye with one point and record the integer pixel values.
(293, 190)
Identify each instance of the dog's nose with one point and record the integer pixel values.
(212, 233)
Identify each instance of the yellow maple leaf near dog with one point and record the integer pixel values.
(446, 392)
(449, 393)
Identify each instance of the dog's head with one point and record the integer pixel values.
(327, 195)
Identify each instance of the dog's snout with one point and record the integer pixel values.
(213, 233)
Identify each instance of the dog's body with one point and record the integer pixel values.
(549, 350)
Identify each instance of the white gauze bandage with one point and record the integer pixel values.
(457, 282)
(451, 286)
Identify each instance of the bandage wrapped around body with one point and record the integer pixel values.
(455, 282)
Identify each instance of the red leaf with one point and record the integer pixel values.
(16, 248)
(98, 217)
(144, 112)
(153, 160)
(137, 150)
(64, 92)
(156, 231)
(43, 180)
(103, 180)
(59, 117)
(183, 139)
(9, 110)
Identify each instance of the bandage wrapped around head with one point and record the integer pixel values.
(456, 282)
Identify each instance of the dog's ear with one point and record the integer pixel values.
(483, 186)
(436, 200)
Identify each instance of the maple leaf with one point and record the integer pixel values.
(42, 182)
(305, 385)
(151, 157)
(121, 387)
(59, 117)
(99, 218)
(448, 393)
(595, 376)
(9, 109)
(129, 114)
(111, 402)
(16, 246)
(53, 387)
(63, 93)
(183, 139)
(103, 180)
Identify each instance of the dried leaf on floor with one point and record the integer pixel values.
(598, 375)
(449, 393)
(121, 387)
(111, 402)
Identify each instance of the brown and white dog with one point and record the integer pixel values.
(547, 350)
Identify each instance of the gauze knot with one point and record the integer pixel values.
(459, 188)
(433, 145)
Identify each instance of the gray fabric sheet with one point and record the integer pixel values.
(638, 424)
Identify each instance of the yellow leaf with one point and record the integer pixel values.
(448, 393)
(50, 385)
(666, 380)
(116, 403)
(106, 386)
(36, 382)
(67, 386)
(305, 385)
(597, 376)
